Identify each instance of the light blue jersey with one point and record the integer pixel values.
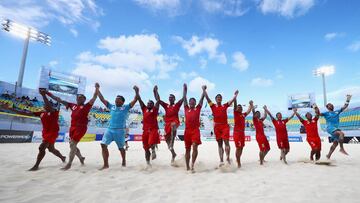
(332, 122)
(118, 115)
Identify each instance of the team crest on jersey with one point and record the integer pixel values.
(74, 107)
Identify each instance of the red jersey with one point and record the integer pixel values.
(79, 115)
(220, 113)
(49, 120)
(171, 112)
(259, 126)
(280, 128)
(239, 120)
(311, 128)
(192, 117)
(150, 118)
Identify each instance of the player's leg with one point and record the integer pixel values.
(238, 155)
(261, 156)
(194, 155)
(312, 153)
(147, 156)
(40, 155)
(52, 149)
(221, 151)
(105, 155)
(332, 149)
(317, 155)
(78, 154)
(341, 136)
(187, 157)
(72, 153)
(172, 140)
(227, 150)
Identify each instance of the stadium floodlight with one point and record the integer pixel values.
(27, 33)
(324, 71)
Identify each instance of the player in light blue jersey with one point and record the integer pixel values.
(117, 128)
(332, 126)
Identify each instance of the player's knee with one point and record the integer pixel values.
(103, 146)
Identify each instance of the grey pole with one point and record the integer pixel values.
(23, 60)
(324, 88)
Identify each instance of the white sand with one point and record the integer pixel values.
(273, 182)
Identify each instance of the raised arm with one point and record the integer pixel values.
(265, 114)
(156, 93)
(133, 102)
(268, 112)
(253, 109)
(251, 105)
(201, 101)
(102, 99)
(292, 116)
(317, 111)
(207, 97)
(184, 95)
(65, 103)
(234, 97)
(93, 99)
(348, 98)
(298, 115)
(142, 105)
(46, 101)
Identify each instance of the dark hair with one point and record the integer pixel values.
(192, 98)
(151, 101)
(278, 113)
(218, 95)
(121, 98)
(81, 95)
(171, 95)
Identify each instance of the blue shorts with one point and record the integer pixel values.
(331, 131)
(114, 134)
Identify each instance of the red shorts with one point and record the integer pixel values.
(315, 143)
(283, 143)
(76, 133)
(239, 138)
(168, 128)
(222, 131)
(150, 137)
(191, 136)
(263, 143)
(50, 137)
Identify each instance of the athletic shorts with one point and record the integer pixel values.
(168, 128)
(315, 143)
(191, 136)
(283, 143)
(332, 131)
(239, 138)
(76, 133)
(150, 137)
(222, 131)
(114, 134)
(263, 143)
(50, 137)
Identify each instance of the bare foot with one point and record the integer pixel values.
(173, 158)
(104, 167)
(343, 151)
(63, 159)
(82, 160)
(67, 167)
(239, 165)
(221, 164)
(328, 156)
(228, 160)
(123, 164)
(153, 155)
(34, 168)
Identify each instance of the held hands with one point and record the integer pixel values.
(136, 88)
(294, 110)
(348, 97)
(155, 88)
(204, 87)
(265, 108)
(42, 91)
(185, 87)
(236, 93)
(251, 103)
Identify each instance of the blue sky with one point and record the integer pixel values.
(265, 48)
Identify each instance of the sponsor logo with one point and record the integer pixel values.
(295, 139)
(7, 136)
(88, 138)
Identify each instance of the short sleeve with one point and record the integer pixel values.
(38, 113)
(109, 106)
(286, 120)
(163, 104)
(70, 105)
(316, 118)
(127, 107)
(88, 106)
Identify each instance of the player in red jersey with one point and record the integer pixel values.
(171, 120)
(221, 126)
(239, 129)
(192, 127)
(49, 119)
(150, 136)
(261, 138)
(79, 122)
(281, 133)
(312, 133)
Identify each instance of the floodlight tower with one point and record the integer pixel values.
(324, 71)
(27, 33)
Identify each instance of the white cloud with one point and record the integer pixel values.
(203, 63)
(53, 63)
(74, 32)
(196, 84)
(41, 13)
(172, 7)
(208, 45)
(355, 46)
(332, 35)
(228, 8)
(185, 75)
(286, 8)
(261, 82)
(337, 97)
(240, 61)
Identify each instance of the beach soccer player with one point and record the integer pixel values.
(150, 135)
(192, 127)
(50, 122)
(261, 138)
(281, 133)
(79, 122)
(239, 129)
(171, 119)
(312, 133)
(332, 126)
(221, 126)
(117, 129)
